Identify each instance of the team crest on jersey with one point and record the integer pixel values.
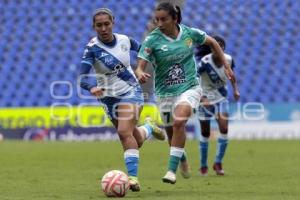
(176, 75)
(124, 47)
(188, 42)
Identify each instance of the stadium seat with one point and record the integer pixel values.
(51, 41)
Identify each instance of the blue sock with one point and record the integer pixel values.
(131, 157)
(221, 148)
(203, 153)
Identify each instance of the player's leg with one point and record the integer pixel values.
(184, 106)
(203, 146)
(147, 130)
(127, 120)
(222, 140)
(184, 167)
(181, 114)
(205, 113)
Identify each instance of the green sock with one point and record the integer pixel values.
(173, 163)
(183, 157)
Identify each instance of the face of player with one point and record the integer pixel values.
(165, 22)
(103, 25)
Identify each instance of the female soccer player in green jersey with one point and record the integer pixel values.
(169, 48)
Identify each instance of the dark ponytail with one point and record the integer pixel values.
(179, 18)
(173, 10)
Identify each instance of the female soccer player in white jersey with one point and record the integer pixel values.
(169, 48)
(213, 83)
(117, 87)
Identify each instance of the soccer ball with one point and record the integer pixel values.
(115, 183)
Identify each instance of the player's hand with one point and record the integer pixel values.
(96, 91)
(236, 95)
(142, 76)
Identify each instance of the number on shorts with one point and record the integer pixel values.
(167, 117)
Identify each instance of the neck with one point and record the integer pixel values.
(174, 33)
(110, 39)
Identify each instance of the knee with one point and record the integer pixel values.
(224, 130)
(179, 124)
(205, 134)
(124, 135)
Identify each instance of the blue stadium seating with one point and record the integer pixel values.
(262, 37)
(43, 41)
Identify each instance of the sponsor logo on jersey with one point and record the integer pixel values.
(164, 47)
(116, 70)
(176, 75)
(108, 60)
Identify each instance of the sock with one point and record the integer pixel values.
(131, 157)
(148, 129)
(183, 157)
(175, 155)
(221, 147)
(203, 151)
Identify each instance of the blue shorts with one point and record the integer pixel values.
(210, 112)
(132, 97)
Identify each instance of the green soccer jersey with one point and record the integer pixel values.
(173, 59)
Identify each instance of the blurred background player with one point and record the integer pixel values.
(117, 88)
(213, 83)
(170, 49)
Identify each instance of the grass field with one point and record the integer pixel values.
(71, 171)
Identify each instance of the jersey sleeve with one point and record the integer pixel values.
(146, 50)
(198, 36)
(88, 56)
(134, 45)
(201, 68)
(87, 62)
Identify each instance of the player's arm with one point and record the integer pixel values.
(85, 82)
(140, 73)
(236, 92)
(134, 45)
(218, 52)
(144, 57)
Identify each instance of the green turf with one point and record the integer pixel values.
(71, 171)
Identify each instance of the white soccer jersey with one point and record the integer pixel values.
(213, 79)
(111, 65)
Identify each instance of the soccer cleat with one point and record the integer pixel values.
(185, 170)
(203, 171)
(157, 132)
(134, 185)
(170, 177)
(218, 169)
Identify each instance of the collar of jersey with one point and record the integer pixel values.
(109, 44)
(178, 36)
